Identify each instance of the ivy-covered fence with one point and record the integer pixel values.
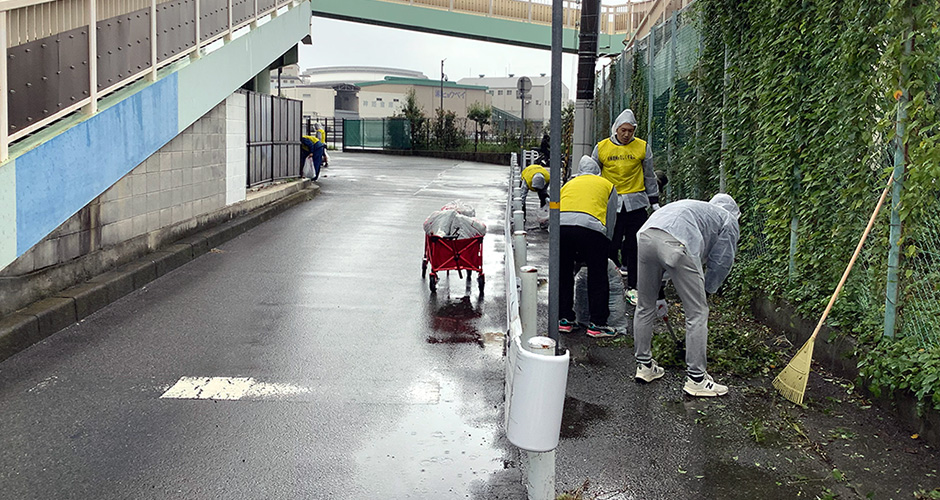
(796, 108)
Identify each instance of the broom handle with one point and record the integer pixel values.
(858, 249)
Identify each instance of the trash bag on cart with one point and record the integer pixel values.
(453, 224)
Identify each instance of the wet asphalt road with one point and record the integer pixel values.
(362, 383)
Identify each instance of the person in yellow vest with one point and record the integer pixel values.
(588, 211)
(627, 162)
(536, 179)
(311, 145)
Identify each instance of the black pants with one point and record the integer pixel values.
(582, 245)
(623, 245)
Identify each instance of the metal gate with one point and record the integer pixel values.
(274, 131)
(332, 127)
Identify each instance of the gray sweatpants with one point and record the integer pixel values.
(657, 252)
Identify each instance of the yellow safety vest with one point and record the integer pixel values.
(587, 194)
(529, 172)
(622, 165)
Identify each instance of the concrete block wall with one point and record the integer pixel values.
(182, 180)
(186, 182)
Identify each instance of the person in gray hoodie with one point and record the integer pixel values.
(695, 242)
(587, 211)
(627, 162)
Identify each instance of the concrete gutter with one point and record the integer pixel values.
(37, 321)
(838, 354)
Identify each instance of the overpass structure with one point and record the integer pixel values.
(524, 23)
(117, 117)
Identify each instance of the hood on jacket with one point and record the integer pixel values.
(538, 181)
(626, 116)
(726, 202)
(587, 165)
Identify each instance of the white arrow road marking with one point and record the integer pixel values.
(249, 389)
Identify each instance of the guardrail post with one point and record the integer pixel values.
(152, 76)
(518, 220)
(4, 91)
(196, 54)
(519, 250)
(540, 469)
(528, 302)
(92, 11)
(228, 35)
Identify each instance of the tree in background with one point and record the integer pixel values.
(480, 114)
(416, 119)
(446, 134)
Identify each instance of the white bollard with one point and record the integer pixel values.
(528, 302)
(518, 220)
(540, 475)
(519, 249)
(516, 203)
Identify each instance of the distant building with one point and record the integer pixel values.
(502, 91)
(456, 97)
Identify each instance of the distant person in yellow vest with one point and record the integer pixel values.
(588, 211)
(627, 162)
(536, 179)
(312, 146)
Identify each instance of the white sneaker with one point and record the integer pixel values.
(706, 388)
(648, 373)
(630, 296)
(623, 270)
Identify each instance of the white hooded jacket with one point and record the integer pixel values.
(634, 201)
(709, 231)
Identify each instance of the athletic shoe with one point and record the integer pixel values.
(648, 373)
(566, 326)
(630, 296)
(707, 387)
(623, 270)
(600, 331)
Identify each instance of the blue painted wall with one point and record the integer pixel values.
(56, 180)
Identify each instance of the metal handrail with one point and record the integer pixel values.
(58, 22)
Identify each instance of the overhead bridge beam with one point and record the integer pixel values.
(455, 24)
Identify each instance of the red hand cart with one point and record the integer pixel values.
(447, 253)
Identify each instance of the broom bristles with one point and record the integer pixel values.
(791, 382)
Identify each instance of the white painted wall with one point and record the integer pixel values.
(236, 153)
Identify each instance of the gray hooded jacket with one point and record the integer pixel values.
(709, 230)
(587, 166)
(634, 201)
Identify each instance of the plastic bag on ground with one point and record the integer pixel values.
(618, 307)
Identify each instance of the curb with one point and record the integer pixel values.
(39, 320)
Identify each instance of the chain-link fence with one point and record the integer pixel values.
(703, 89)
(448, 133)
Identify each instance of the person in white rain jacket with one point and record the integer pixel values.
(695, 242)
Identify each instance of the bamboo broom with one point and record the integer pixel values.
(791, 382)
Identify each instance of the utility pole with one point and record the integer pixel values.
(442, 87)
(583, 143)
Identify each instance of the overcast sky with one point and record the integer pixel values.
(342, 43)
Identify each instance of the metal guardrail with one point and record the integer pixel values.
(631, 19)
(60, 56)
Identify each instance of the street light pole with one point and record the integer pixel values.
(442, 87)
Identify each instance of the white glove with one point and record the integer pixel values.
(655, 206)
(662, 308)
